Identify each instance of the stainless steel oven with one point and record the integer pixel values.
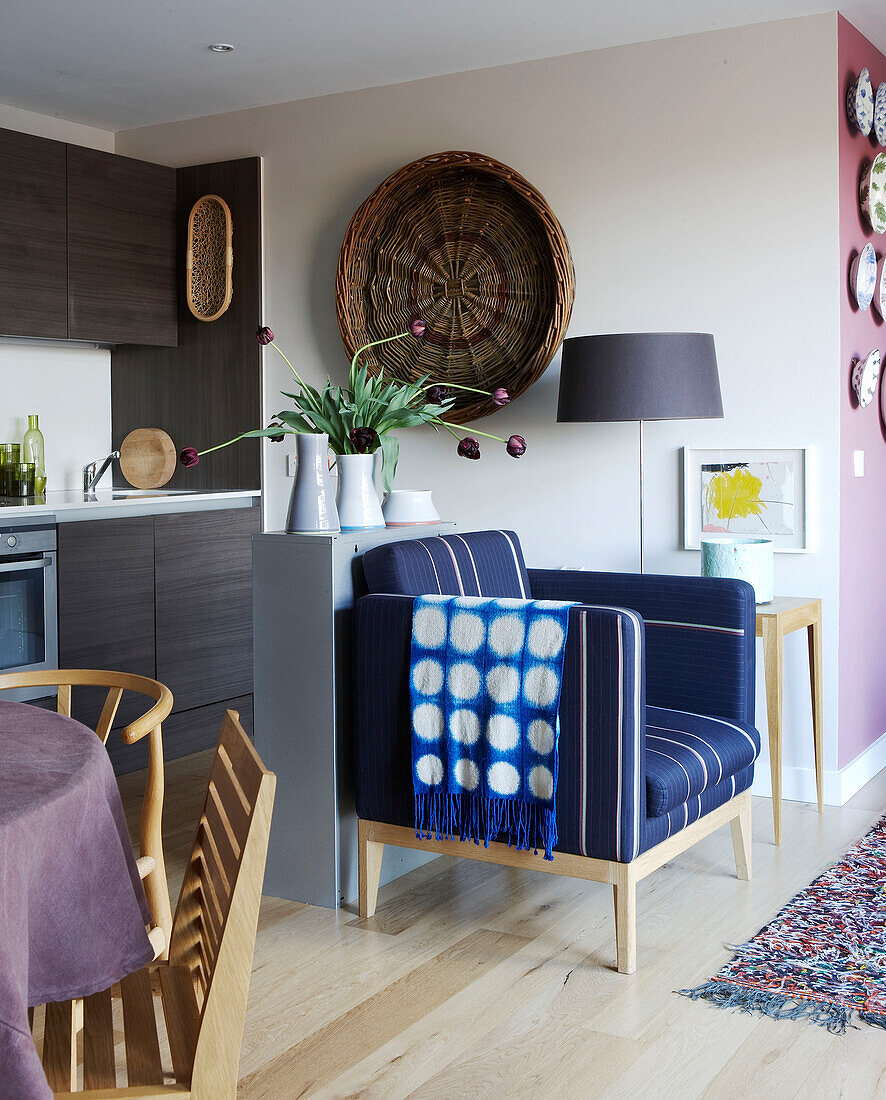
(28, 599)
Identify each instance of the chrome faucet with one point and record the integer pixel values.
(92, 476)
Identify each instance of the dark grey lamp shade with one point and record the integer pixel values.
(639, 376)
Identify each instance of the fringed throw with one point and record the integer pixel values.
(823, 958)
(485, 680)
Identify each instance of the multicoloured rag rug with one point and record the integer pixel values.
(823, 958)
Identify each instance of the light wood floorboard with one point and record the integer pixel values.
(477, 980)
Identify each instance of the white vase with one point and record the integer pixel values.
(312, 502)
(357, 500)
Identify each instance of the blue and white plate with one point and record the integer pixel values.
(863, 276)
(880, 293)
(880, 114)
(860, 103)
(865, 375)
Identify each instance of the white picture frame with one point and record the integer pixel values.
(748, 474)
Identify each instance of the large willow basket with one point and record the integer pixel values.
(467, 244)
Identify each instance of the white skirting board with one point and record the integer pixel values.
(798, 784)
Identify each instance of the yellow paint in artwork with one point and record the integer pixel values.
(735, 493)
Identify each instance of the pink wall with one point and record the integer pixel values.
(862, 659)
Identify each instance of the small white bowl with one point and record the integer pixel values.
(409, 507)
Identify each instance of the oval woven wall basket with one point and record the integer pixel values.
(467, 244)
(210, 258)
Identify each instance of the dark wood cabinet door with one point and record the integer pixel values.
(33, 246)
(121, 249)
(203, 569)
(106, 605)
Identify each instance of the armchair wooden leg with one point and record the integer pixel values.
(369, 856)
(625, 895)
(741, 839)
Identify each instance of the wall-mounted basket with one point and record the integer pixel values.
(210, 258)
(470, 246)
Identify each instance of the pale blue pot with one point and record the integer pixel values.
(745, 559)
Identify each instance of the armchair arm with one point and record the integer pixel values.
(601, 795)
(700, 634)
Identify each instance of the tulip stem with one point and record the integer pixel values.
(375, 343)
(474, 431)
(291, 367)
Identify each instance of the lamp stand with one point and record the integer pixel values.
(640, 422)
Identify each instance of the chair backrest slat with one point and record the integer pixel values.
(109, 713)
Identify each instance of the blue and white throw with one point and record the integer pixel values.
(485, 679)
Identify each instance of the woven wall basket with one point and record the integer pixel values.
(467, 244)
(210, 258)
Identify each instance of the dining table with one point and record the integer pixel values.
(72, 908)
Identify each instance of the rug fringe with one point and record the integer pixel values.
(779, 1006)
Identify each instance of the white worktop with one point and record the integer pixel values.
(68, 504)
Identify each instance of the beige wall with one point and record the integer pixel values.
(696, 179)
(69, 388)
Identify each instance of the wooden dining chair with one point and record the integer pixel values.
(151, 864)
(181, 1025)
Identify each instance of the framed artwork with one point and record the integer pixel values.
(746, 491)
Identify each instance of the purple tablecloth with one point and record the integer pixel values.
(72, 908)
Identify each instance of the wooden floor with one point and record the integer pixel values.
(473, 980)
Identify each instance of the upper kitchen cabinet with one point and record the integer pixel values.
(121, 249)
(33, 248)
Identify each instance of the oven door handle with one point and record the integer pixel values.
(16, 566)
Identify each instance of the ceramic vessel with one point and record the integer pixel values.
(358, 503)
(880, 114)
(407, 507)
(745, 559)
(860, 103)
(872, 193)
(312, 503)
(863, 276)
(865, 375)
(880, 293)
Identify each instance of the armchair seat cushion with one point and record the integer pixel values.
(688, 753)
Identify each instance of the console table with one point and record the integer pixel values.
(304, 587)
(774, 620)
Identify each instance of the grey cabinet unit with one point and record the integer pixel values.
(165, 596)
(304, 587)
(33, 247)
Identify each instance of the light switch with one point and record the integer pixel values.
(858, 463)
(291, 465)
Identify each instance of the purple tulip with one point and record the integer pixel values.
(264, 335)
(189, 456)
(417, 327)
(516, 446)
(275, 438)
(469, 447)
(500, 396)
(436, 395)
(364, 440)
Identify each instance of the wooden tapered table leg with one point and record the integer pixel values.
(774, 620)
(813, 632)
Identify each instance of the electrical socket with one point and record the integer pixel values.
(291, 465)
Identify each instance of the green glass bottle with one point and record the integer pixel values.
(32, 451)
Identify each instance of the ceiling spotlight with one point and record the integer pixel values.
(221, 47)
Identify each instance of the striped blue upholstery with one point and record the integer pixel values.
(478, 563)
(694, 653)
(700, 634)
(687, 753)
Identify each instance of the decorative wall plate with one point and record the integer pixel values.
(863, 276)
(880, 114)
(860, 103)
(865, 375)
(471, 247)
(872, 193)
(880, 292)
(210, 258)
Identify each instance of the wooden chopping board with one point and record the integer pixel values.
(147, 458)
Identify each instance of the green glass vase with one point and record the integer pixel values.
(33, 451)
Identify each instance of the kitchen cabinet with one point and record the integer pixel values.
(87, 244)
(121, 249)
(166, 596)
(33, 245)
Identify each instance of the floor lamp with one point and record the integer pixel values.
(639, 376)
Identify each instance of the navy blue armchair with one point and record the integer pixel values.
(657, 739)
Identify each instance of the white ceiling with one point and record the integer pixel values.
(123, 63)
